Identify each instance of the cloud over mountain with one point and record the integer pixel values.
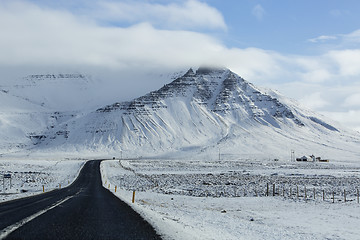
(102, 39)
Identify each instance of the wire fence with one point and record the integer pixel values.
(313, 193)
(324, 188)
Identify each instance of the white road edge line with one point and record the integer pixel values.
(6, 231)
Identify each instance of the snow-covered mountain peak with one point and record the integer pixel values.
(196, 112)
(199, 85)
(219, 90)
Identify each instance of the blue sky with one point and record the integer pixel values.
(280, 25)
(308, 50)
(286, 25)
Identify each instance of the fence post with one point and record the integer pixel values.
(274, 190)
(314, 193)
(357, 195)
(297, 191)
(267, 189)
(290, 192)
(305, 196)
(344, 195)
(333, 197)
(323, 195)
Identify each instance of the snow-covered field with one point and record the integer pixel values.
(200, 199)
(29, 176)
(227, 199)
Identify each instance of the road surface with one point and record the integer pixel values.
(84, 210)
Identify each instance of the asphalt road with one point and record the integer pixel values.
(84, 210)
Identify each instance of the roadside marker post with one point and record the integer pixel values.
(267, 189)
(297, 192)
(8, 176)
(115, 188)
(43, 188)
(274, 190)
(314, 193)
(133, 197)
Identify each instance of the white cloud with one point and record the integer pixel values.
(313, 68)
(31, 35)
(339, 41)
(348, 61)
(258, 11)
(44, 37)
(322, 38)
(353, 100)
(34, 37)
(346, 118)
(313, 100)
(353, 37)
(40, 39)
(317, 75)
(190, 14)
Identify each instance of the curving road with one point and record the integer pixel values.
(84, 210)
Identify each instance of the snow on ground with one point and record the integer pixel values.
(226, 199)
(29, 176)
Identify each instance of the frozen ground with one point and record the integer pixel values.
(226, 199)
(28, 176)
(216, 199)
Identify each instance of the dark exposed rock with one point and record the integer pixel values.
(219, 89)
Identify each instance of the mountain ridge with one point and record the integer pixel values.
(209, 108)
(203, 95)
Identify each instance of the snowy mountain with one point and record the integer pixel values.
(56, 92)
(32, 104)
(200, 114)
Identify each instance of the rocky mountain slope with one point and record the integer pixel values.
(199, 114)
(32, 104)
